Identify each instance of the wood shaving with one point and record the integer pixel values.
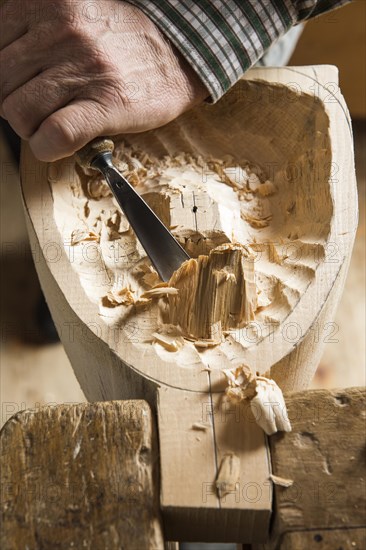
(205, 343)
(200, 426)
(269, 408)
(254, 182)
(240, 383)
(98, 189)
(147, 275)
(228, 475)
(266, 399)
(236, 175)
(119, 297)
(142, 303)
(282, 481)
(170, 343)
(79, 235)
(267, 188)
(258, 223)
(158, 292)
(151, 277)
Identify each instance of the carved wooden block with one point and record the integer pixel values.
(260, 190)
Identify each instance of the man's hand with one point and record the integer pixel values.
(72, 71)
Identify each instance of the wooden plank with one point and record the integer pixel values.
(325, 539)
(246, 509)
(187, 465)
(196, 432)
(81, 476)
(324, 455)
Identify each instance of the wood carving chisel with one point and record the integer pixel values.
(164, 251)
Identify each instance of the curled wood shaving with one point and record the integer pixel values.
(265, 396)
(119, 297)
(240, 383)
(269, 408)
(282, 481)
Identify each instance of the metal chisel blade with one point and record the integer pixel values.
(164, 251)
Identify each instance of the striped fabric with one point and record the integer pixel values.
(222, 39)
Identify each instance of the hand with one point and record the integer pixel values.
(72, 71)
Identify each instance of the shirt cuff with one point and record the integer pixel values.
(221, 40)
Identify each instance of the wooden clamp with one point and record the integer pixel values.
(86, 476)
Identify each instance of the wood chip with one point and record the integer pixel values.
(265, 396)
(216, 292)
(79, 235)
(158, 292)
(282, 481)
(228, 475)
(200, 426)
(170, 343)
(115, 298)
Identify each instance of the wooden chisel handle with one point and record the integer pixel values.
(87, 154)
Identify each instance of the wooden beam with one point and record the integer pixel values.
(324, 456)
(197, 434)
(81, 476)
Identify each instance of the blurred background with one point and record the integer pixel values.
(34, 369)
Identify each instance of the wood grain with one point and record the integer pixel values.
(85, 476)
(324, 455)
(196, 432)
(81, 476)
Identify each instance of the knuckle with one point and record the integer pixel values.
(96, 62)
(18, 115)
(66, 31)
(59, 133)
(102, 63)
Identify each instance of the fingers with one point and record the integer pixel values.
(68, 129)
(27, 107)
(13, 21)
(20, 62)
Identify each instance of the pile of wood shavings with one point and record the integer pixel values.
(266, 399)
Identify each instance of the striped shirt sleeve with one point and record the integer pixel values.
(222, 39)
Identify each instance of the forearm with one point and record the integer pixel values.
(222, 39)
